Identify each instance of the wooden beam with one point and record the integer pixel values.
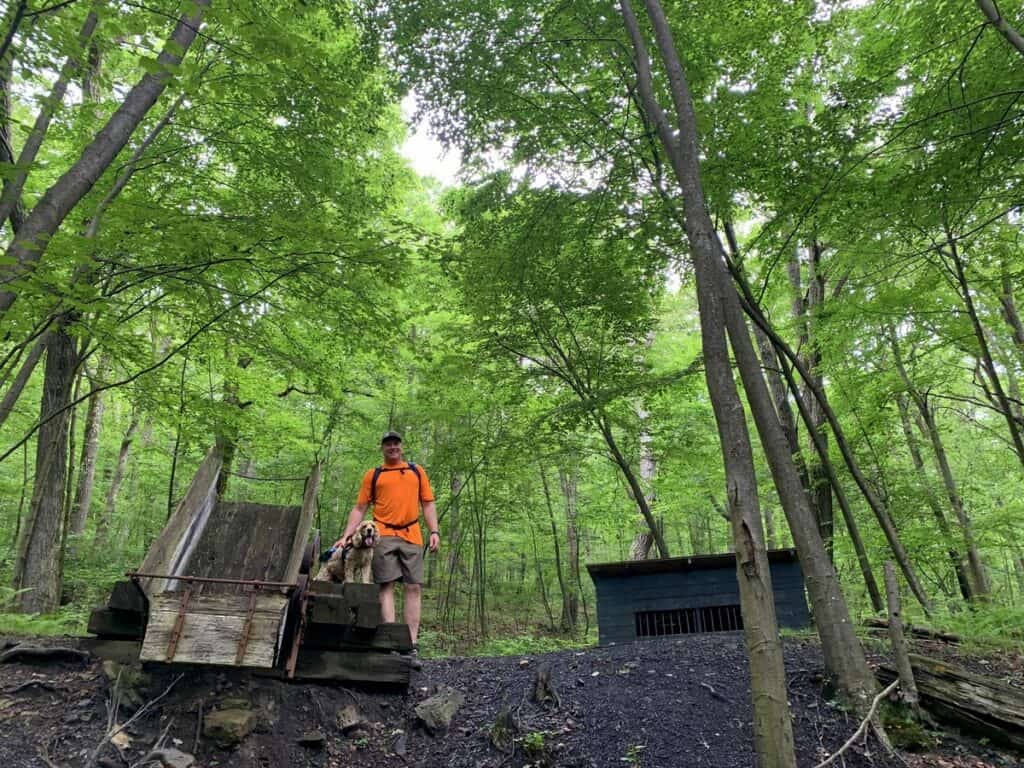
(351, 666)
(305, 522)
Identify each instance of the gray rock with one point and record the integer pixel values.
(349, 718)
(229, 726)
(131, 681)
(436, 713)
(173, 758)
(399, 743)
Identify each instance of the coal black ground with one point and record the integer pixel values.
(666, 702)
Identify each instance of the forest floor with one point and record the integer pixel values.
(668, 702)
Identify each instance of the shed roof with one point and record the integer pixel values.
(674, 564)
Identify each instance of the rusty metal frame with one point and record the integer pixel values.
(243, 643)
(179, 624)
(285, 585)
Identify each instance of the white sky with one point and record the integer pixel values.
(424, 153)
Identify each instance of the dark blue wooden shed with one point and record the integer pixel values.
(638, 599)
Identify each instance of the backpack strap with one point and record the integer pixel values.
(376, 476)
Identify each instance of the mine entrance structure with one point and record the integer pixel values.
(641, 599)
(230, 584)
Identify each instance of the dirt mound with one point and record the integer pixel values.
(669, 702)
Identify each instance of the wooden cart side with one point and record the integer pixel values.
(170, 551)
(303, 526)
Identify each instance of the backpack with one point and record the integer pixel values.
(373, 491)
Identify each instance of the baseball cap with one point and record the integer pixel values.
(391, 435)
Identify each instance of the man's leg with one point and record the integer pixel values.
(411, 610)
(387, 604)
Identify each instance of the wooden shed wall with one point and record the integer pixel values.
(620, 597)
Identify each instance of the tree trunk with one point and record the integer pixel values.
(11, 197)
(17, 214)
(559, 570)
(571, 603)
(605, 427)
(49, 213)
(978, 577)
(876, 504)
(37, 569)
(986, 354)
(908, 689)
(102, 529)
(28, 366)
(773, 734)
(643, 540)
(966, 590)
(90, 450)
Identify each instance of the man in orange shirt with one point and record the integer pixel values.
(397, 490)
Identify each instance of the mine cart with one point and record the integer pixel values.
(230, 584)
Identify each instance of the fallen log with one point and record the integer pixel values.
(977, 705)
(925, 633)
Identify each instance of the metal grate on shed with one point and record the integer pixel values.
(686, 621)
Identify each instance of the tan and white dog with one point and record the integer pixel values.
(352, 564)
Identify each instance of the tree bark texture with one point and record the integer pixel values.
(37, 569)
(17, 214)
(773, 734)
(908, 688)
(49, 213)
(28, 366)
(90, 450)
(643, 540)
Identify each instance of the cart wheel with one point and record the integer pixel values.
(292, 619)
(310, 554)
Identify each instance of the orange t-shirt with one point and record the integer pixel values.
(399, 494)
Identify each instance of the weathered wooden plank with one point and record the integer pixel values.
(302, 525)
(128, 596)
(368, 615)
(327, 609)
(361, 593)
(172, 549)
(245, 541)
(327, 588)
(213, 628)
(267, 601)
(110, 622)
(387, 637)
(121, 651)
(352, 666)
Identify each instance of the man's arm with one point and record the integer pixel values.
(355, 517)
(430, 516)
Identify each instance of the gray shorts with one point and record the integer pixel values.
(395, 559)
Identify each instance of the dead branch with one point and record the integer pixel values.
(115, 702)
(863, 726)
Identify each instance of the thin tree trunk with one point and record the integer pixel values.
(773, 734)
(571, 604)
(90, 450)
(987, 360)
(637, 491)
(11, 197)
(979, 579)
(876, 504)
(908, 688)
(643, 540)
(28, 367)
(37, 568)
(17, 214)
(1008, 309)
(109, 508)
(559, 570)
(1007, 30)
(49, 213)
(844, 503)
(966, 590)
